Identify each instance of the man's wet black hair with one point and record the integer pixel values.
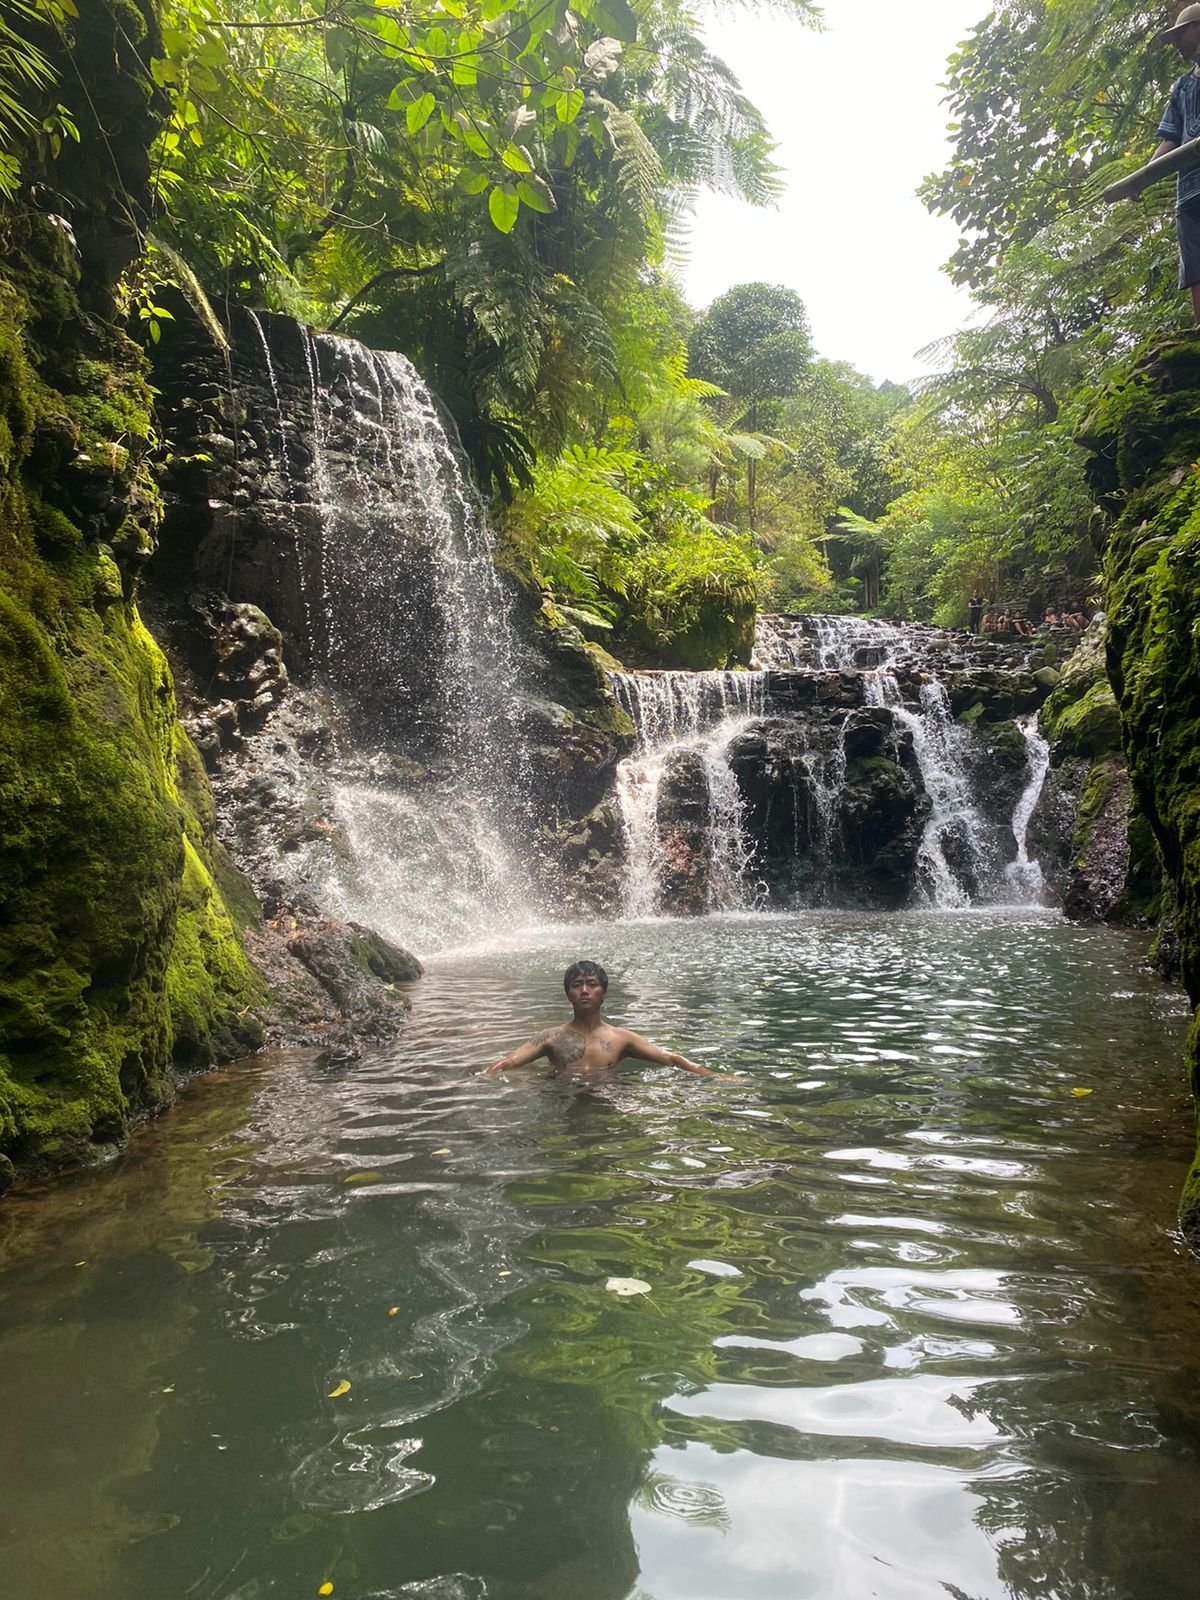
(585, 969)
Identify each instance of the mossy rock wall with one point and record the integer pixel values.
(1145, 441)
(1095, 846)
(119, 961)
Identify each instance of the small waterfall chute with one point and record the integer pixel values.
(1024, 874)
(678, 715)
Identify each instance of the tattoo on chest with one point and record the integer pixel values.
(566, 1047)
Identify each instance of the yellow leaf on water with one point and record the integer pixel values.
(342, 1388)
(393, 1311)
(441, 1152)
(364, 1177)
(1082, 1094)
(326, 1588)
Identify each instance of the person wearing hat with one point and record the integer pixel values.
(1180, 123)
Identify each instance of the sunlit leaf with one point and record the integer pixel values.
(627, 1287)
(568, 105)
(340, 1389)
(537, 194)
(419, 112)
(504, 206)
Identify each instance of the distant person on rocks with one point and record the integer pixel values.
(1050, 618)
(1179, 124)
(990, 623)
(587, 1047)
(975, 610)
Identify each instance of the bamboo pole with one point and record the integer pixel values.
(1187, 155)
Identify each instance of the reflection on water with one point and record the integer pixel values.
(915, 1328)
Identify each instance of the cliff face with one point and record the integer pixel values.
(119, 959)
(1144, 436)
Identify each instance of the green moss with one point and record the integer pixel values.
(207, 973)
(119, 961)
(1097, 791)
(1145, 437)
(1087, 726)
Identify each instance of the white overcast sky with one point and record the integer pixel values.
(857, 114)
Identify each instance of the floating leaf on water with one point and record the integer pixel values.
(326, 1588)
(364, 1177)
(81, 1263)
(504, 1274)
(393, 1311)
(1082, 1094)
(170, 1389)
(627, 1287)
(441, 1152)
(342, 1388)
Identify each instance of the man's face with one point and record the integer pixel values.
(1188, 42)
(585, 993)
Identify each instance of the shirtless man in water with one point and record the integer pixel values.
(587, 1046)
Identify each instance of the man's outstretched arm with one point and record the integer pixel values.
(522, 1055)
(644, 1050)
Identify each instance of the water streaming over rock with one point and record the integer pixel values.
(427, 775)
(864, 760)
(418, 815)
(1025, 874)
(681, 807)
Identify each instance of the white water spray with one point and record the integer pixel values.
(675, 712)
(1024, 875)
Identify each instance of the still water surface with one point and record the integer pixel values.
(917, 1327)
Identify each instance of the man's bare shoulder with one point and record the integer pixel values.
(627, 1039)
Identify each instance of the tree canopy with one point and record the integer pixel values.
(498, 187)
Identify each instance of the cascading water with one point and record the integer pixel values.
(674, 713)
(954, 824)
(394, 782)
(410, 646)
(1024, 875)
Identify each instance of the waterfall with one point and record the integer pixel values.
(676, 713)
(954, 824)
(1025, 877)
(424, 827)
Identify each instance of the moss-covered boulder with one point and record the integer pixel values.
(1144, 438)
(1098, 856)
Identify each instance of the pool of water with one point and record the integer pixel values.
(916, 1326)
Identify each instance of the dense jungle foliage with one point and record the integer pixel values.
(500, 188)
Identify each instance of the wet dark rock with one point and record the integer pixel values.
(868, 733)
(881, 816)
(683, 826)
(1002, 695)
